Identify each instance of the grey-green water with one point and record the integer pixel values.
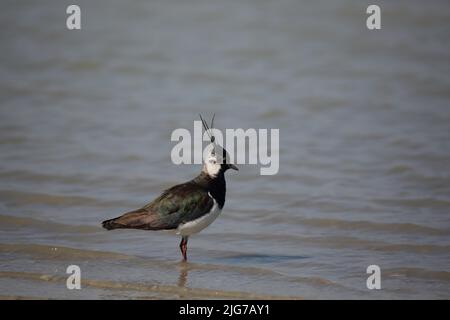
(364, 119)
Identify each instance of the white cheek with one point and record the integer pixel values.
(213, 169)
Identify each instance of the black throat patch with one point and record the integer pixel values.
(216, 186)
(217, 189)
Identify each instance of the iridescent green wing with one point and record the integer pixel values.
(179, 204)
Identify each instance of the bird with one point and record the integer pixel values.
(186, 208)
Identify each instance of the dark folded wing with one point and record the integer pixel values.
(179, 204)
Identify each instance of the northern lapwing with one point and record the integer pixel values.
(186, 208)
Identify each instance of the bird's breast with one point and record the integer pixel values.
(197, 225)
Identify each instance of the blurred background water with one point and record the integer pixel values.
(364, 119)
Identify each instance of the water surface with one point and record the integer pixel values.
(364, 119)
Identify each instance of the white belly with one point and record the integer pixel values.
(197, 225)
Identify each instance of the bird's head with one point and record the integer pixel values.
(217, 160)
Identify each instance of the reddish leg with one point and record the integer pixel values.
(183, 247)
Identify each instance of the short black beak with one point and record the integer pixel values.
(232, 166)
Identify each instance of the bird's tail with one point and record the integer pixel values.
(138, 219)
(111, 224)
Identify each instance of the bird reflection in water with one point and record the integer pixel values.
(182, 278)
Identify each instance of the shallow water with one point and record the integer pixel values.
(85, 124)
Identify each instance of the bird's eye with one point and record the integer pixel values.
(212, 161)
